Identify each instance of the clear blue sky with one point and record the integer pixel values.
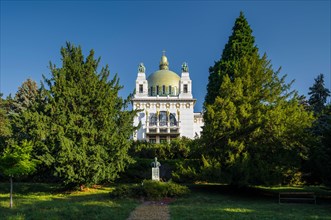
(294, 34)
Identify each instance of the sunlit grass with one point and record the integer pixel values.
(238, 210)
(90, 204)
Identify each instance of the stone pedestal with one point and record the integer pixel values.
(156, 173)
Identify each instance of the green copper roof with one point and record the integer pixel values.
(163, 77)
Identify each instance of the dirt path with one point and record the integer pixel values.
(151, 210)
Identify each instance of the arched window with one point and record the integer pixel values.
(152, 119)
(163, 119)
(173, 121)
(152, 91)
(163, 90)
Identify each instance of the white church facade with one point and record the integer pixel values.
(166, 103)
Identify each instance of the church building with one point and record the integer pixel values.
(166, 103)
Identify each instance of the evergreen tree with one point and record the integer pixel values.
(240, 43)
(318, 94)
(255, 130)
(25, 96)
(320, 160)
(5, 129)
(89, 126)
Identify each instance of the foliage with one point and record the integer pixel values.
(319, 165)
(256, 130)
(176, 149)
(81, 126)
(185, 172)
(25, 97)
(5, 128)
(16, 160)
(318, 95)
(240, 44)
(150, 189)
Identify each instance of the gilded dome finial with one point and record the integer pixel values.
(164, 65)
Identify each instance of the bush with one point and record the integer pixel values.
(150, 189)
(127, 191)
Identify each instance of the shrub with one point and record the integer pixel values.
(150, 189)
(127, 191)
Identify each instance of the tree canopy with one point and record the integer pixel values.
(255, 128)
(318, 94)
(89, 126)
(240, 44)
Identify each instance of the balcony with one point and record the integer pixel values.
(151, 130)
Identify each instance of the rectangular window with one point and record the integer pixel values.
(185, 88)
(141, 88)
(169, 90)
(163, 139)
(152, 140)
(163, 89)
(151, 90)
(157, 90)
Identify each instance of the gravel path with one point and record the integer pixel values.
(151, 210)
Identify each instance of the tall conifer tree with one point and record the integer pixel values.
(318, 95)
(240, 43)
(255, 128)
(89, 128)
(320, 161)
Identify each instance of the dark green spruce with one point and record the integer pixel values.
(255, 129)
(240, 43)
(318, 95)
(320, 160)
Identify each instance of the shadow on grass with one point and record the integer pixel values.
(225, 202)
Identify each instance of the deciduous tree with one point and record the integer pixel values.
(15, 161)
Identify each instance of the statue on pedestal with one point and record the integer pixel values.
(155, 170)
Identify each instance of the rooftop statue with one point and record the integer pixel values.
(141, 68)
(185, 67)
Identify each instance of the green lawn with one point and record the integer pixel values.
(44, 201)
(220, 202)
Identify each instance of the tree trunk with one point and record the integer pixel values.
(11, 192)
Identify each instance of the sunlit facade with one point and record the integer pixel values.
(166, 103)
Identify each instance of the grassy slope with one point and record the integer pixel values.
(41, 201)
(219, 202)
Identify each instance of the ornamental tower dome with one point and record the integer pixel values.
(163, 82)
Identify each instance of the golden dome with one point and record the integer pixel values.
(164, 77)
